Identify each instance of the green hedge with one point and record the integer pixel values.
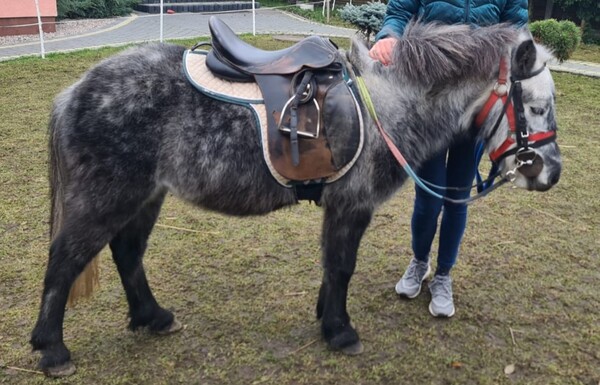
(562, 37)
(77, 9)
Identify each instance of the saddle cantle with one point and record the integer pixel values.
(313, 124)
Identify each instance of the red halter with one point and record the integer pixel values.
(502, 92)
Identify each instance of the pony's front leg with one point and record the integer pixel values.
(342, 232)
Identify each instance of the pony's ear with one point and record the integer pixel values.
(359, 54)
(524, 59)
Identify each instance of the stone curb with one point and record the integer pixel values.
(558, 68)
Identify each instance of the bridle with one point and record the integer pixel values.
(526, 160)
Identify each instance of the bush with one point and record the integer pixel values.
(76, 9)
(368, 18)
(562, 37)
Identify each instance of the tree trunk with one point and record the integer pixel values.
(549, 8)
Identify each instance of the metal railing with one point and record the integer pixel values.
(327, 6)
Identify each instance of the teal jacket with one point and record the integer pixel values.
(474, 12)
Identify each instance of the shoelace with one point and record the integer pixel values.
(445, 284)
(412, 271)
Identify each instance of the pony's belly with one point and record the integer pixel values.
(238, 200)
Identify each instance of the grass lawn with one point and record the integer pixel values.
(587, 52)
(526, 286)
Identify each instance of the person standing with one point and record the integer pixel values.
(454, 167)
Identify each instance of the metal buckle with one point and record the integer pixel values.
(521, 163)
(501, 89)
(511, 175)
(307, 94)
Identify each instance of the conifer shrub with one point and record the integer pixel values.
(367, 18)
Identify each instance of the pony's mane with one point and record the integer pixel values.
(431, 53)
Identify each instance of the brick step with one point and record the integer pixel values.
(208, 6)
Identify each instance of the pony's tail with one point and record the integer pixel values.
(87, 281)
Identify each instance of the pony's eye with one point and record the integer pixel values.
(537, 110)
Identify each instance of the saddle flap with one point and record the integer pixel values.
(315, 156)
(341, 116)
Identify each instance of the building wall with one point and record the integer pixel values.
(26, 8)
(15, 13)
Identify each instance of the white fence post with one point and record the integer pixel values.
(161, 21)
(39, 17)
(253, 19)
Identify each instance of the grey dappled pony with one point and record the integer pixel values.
(133, 129)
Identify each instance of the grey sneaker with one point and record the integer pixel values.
(409, 285)
(442, 304)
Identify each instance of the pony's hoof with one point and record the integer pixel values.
(173, 328)
(63, 370)
(354, 349)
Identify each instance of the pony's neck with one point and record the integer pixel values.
(425, 120)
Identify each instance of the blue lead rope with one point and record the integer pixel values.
(483, 185)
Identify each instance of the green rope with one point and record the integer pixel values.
(366, 97)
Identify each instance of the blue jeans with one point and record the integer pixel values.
(454, 168)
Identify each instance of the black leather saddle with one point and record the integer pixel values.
(233, 59)
(312, 116)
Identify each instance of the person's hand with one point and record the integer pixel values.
(382, 50)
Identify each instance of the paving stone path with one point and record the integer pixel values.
(139, 28)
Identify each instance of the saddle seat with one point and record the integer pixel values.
(311, 52)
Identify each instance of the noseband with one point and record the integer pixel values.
(511, 95)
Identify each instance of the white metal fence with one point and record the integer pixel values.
(328, 6)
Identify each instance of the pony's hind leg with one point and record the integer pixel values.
(89, 224)
(74, 247)
(128, 248)
(342, 232)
